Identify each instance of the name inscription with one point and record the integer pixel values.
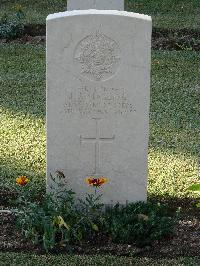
(98, 101)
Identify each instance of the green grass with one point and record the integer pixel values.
(10, 259)
(22, 112)
(35, 11)
(174, 138)
(175, 14)
(174, 122)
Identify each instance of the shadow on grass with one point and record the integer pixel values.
(174, 99)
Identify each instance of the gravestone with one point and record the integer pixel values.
(98, 91)
(95, 4)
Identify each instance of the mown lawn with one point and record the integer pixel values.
(22, 112)
(174, 131)
(174, 14)
(8, 259)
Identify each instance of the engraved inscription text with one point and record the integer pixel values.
(98, 101)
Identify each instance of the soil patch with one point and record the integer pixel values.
(162, 39)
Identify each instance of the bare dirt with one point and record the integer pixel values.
(162, 39)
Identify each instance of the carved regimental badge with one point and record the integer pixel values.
(98, 57)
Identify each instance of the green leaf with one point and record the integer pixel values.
(95, 227)
(198, 205)
(62, 223)
(195, 188)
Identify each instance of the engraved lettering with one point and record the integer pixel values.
(98, 101)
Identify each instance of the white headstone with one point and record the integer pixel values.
(98, 91)
(95, 4)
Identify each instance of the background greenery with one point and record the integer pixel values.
(174, 138)
(174, 14)
(94, 260)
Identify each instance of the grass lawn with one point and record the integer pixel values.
(174, 14)
(22, 112)
(173, 147)
(8, 259)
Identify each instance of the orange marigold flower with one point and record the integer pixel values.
(22, 180)
(96, 181)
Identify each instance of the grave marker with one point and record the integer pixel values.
(95, 4)
(98, 94)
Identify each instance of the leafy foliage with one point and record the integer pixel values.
(139, 223)
(196, 189)
(12, 27)
(57, 220)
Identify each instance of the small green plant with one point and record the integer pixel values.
(196, 189)
(56, 220)
(138, 223)
(13, 26)
(188, 45)
(60, 220)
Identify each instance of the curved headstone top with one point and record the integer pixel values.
(97, 12)
(95, 4)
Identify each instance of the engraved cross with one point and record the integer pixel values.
(97, 140)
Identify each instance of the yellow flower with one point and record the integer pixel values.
(22, 180)
(96, 181)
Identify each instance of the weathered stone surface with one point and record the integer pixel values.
(95, 4)
(98, 91)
